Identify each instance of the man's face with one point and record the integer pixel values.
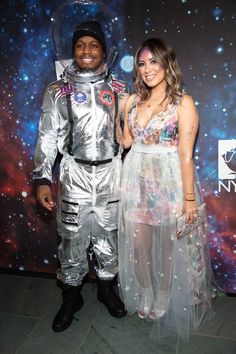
(88, 53)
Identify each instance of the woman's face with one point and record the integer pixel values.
(152, 73)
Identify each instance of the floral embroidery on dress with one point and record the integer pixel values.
(161, 129)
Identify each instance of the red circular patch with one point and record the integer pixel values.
(106, 97)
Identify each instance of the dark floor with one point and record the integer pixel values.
(28, 305)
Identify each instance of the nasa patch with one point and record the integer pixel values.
(106, 97)
(80, 97)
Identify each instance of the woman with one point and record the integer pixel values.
(162, 278)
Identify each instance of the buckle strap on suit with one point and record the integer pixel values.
(94, 162)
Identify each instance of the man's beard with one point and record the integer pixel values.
(85, 74)
(87, 69)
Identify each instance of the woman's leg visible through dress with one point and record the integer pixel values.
(162, 270)
(142, 243)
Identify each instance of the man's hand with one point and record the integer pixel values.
(44, 196)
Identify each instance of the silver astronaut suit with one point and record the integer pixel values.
(90, 168)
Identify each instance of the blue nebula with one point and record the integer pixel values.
(217, 12)
(127, 63)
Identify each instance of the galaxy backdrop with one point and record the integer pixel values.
(203, 34)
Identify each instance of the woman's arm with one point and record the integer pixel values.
(123, 97)
(127, 140)
(188, 127)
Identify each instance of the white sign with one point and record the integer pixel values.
(227, 159)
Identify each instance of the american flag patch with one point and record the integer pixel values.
(116, 85)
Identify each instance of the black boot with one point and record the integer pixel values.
(108, 297)
(72, 302)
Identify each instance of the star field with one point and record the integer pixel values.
(203, 34)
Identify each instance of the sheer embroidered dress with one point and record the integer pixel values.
(162, 278)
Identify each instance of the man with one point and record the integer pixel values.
(79, 121)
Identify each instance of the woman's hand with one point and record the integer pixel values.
(190, 211)
(126, 142)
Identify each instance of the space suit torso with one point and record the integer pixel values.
(89, 133)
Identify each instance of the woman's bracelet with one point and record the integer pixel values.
(189, 197)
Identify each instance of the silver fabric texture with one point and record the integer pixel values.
(88, 195)
(93, 110)
(87, 211)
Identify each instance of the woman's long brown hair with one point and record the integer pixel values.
(166, 57)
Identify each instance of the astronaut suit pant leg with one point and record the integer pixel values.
(87, 211)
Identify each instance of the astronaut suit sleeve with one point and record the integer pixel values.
(47, 142)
